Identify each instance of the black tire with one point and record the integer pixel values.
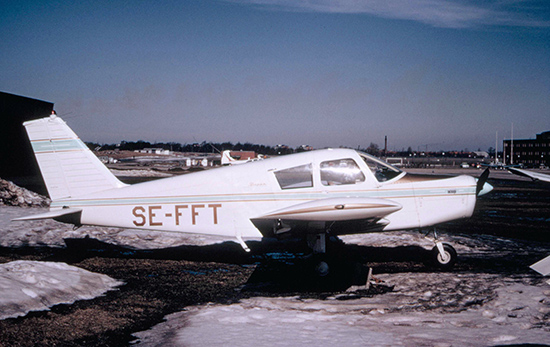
(322, 268)
(332, 272)
(449, 262)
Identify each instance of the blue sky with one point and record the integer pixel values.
(441, 74)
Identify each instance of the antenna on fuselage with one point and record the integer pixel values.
(214, 147)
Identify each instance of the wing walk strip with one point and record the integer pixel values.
(464, 191)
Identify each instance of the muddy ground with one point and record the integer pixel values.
(509, 231)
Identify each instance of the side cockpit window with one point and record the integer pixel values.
(295, 177)
(341, 171)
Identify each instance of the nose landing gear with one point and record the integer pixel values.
(444, 255)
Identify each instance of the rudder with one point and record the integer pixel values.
(68, 167)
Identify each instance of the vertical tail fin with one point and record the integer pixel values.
(68, 167)
(227, 159)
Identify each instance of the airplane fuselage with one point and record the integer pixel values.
(226, 201)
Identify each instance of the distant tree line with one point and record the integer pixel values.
(203, 147)
(209, 147)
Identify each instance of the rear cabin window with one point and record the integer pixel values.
(295, 177)
(339, 172)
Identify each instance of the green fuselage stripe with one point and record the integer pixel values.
(382, 194)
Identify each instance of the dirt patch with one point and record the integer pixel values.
(153, 289)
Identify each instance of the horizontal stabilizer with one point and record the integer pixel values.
(336, 209)
(64, 214)
(542, 266)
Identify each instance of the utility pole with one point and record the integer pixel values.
(512, 147)
(496, 148)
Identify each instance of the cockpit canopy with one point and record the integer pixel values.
(336, 172)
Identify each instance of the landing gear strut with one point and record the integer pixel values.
(317, 243)
(333, 266)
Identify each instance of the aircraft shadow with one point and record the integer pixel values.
(280, 266)
(288, 266)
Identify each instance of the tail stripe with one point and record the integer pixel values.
(41, 146)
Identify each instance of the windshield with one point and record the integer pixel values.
(381, 170)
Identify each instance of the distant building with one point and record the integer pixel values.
(283, 149)
(158, 151)
(107, 160)
(305, 148)
(398, 162)
(199, 162)
(529, 152)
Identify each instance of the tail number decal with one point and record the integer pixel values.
(157, 215)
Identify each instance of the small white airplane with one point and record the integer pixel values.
(227, 159)
(310, 195)
(535, 176)
(498, 165)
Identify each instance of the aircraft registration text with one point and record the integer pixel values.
(159, 215)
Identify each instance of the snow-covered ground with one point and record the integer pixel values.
(36, 286)
(417, 313)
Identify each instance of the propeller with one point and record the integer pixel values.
(482, 180)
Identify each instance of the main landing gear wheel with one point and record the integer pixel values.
(322, 268)
(444, 260)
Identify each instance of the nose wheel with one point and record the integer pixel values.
(444, 256)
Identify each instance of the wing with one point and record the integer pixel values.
(542, 266)
(535, 176)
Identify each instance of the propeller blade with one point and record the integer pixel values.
(481, 180)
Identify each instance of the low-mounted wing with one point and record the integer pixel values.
(336, 209)
(542, 266)
(535, 176)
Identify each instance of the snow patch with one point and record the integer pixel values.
(517, 313)
(36, 286)
(13, 195)
(239, 326)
